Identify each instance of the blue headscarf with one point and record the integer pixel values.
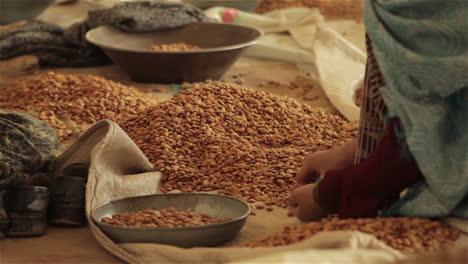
(421, 47)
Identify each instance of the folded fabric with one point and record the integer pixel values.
(55, 46)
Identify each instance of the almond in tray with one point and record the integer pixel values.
(181, 46)
(167, 217)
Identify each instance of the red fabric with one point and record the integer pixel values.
(363, 189)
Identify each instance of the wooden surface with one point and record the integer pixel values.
(59, 245)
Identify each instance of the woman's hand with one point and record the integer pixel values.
(302, 204)
(320, 162)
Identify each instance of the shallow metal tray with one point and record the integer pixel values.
(218, 206)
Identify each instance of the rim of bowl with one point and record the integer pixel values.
(237, 219)
(28, 188)
(208, 50)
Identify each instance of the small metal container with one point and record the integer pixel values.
(26, 199)
(26, 206)
(67, 206)
(24, 225)
(3, 226)
(218, 206)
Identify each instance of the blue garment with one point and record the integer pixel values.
(421, 47)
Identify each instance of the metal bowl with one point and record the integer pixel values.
(244, 5)
(16, 10)
(26, 199)
(218, 206)
(221, 44)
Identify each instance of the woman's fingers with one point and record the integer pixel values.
(292, 211)
(292, 205)
(311, 169)
(306, 175)
(320, 162)
(292, 202)
(302, 204)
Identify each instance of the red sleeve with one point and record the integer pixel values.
(364, 189)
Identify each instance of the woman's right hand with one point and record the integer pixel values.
(319, 163)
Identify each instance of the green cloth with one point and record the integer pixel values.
(421, 47)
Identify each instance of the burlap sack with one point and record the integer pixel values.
(119, 169)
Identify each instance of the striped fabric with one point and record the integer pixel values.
(372, 125)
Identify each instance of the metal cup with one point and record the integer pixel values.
(26, 206)
(67, 206)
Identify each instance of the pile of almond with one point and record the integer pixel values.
(240, 142)
(180, 46)
(73, 100)
(406, 234)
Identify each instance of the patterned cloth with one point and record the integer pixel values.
(421, 47)
(49, 43)
(69, 48)
(372, 120)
